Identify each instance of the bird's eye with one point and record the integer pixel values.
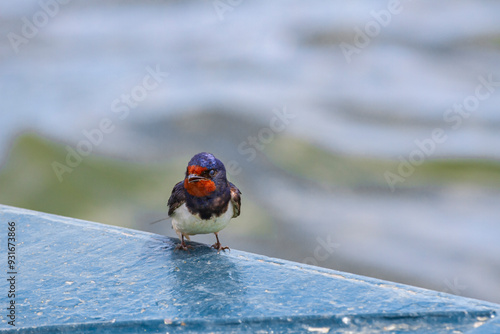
(212, 172)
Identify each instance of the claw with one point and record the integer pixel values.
(218, 245)
(183, 245)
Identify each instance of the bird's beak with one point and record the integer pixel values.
(195, 178)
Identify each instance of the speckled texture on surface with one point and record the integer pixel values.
(78, 276)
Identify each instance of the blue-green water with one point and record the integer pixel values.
(313, 134)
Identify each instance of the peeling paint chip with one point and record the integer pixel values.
(478, 324)
(399, 327)
(318, 329)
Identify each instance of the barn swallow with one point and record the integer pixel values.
(205, 201)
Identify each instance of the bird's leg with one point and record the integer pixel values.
(217, 245)
(183, 245)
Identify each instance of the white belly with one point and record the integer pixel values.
(186, 223)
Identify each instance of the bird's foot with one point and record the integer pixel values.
(219, 247)
(183, 247)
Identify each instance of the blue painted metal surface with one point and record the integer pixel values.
(76, 276)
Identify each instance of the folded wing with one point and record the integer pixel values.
(235, 199)
(177, 198)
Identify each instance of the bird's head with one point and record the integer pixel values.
(205, 174)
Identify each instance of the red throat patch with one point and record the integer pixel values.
(200, 188)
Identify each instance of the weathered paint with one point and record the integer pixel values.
(79, 276)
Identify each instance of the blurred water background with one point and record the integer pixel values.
(364, 135)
